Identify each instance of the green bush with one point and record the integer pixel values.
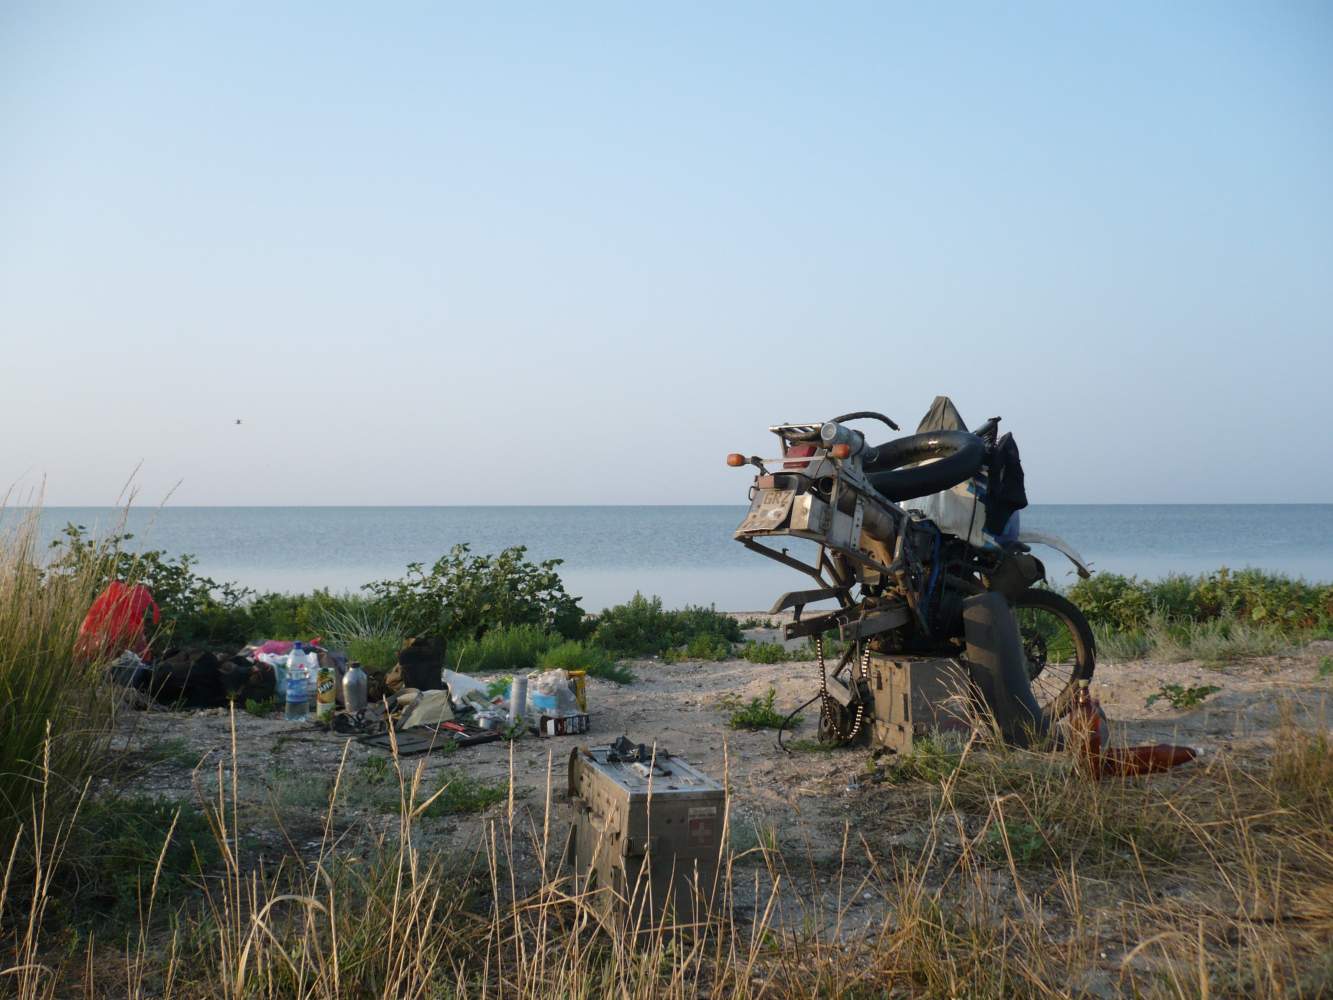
(1182, 697)
(767, 652)
(464, 794)
(757, 713)
(641, 627)
(463, 596)
(575, 655)
(1127, 604)
(516, 649)
(934, 758)
(199, 611)
(195, 609)
(366, 631)
(701, 647)
(114, 853)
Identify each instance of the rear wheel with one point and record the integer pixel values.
(1057, 645)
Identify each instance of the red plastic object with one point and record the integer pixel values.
(1096, 760)
(116, 621)
(1131, 761)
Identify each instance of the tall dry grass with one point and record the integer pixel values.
(54, 717)
(1023, 880)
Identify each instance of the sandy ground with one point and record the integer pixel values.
(807, 804)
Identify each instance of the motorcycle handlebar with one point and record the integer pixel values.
(864, 415)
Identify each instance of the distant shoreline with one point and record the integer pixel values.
(613, 506)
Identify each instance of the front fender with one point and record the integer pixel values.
(1060, 545)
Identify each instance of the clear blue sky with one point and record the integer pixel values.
(575, 254)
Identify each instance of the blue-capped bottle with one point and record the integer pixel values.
(298, 685)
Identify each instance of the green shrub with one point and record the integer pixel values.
(933, 758)
(641, 627)
(195, 609)
(757, 713)
(516, 649)
(1326, 666)
(366, 631)
(113, 854)
(767, 652)
(199, 611)
(1182, 697)
(463, 596)
(701, 647)
(464, 794)
(1126, 603)
(1213, 641)
(575, 655)
(1019, 839)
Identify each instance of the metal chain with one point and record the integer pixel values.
(825, 712)
(860, 705)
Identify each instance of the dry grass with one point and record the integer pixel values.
(1216, 880)
(54, 721)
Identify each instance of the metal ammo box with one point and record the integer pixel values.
(911, 697)
(647, 833)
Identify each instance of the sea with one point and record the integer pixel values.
(683, 554)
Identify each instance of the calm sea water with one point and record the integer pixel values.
(683, 554)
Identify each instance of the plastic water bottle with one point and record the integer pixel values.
(298, 684)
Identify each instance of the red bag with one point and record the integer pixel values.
(116, 621)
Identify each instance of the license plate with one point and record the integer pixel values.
(768, 511)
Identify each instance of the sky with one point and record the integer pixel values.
(577, 253)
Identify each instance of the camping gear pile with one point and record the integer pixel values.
(417, 706)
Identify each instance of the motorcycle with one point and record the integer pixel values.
(905, 533)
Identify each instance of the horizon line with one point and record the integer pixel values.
(529, 506)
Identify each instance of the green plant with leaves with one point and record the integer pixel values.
(514, 649)
(1326, 666)
(195, 609)
(768, 652)
(114, 853)
(1181, 696)
(1255, 597)
(575, 655)
(757, 713)
(464, 595)
(641, 627)
(1016, 838)
(932, 759)
(460, 793)
(700, 647)
(366, 631)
